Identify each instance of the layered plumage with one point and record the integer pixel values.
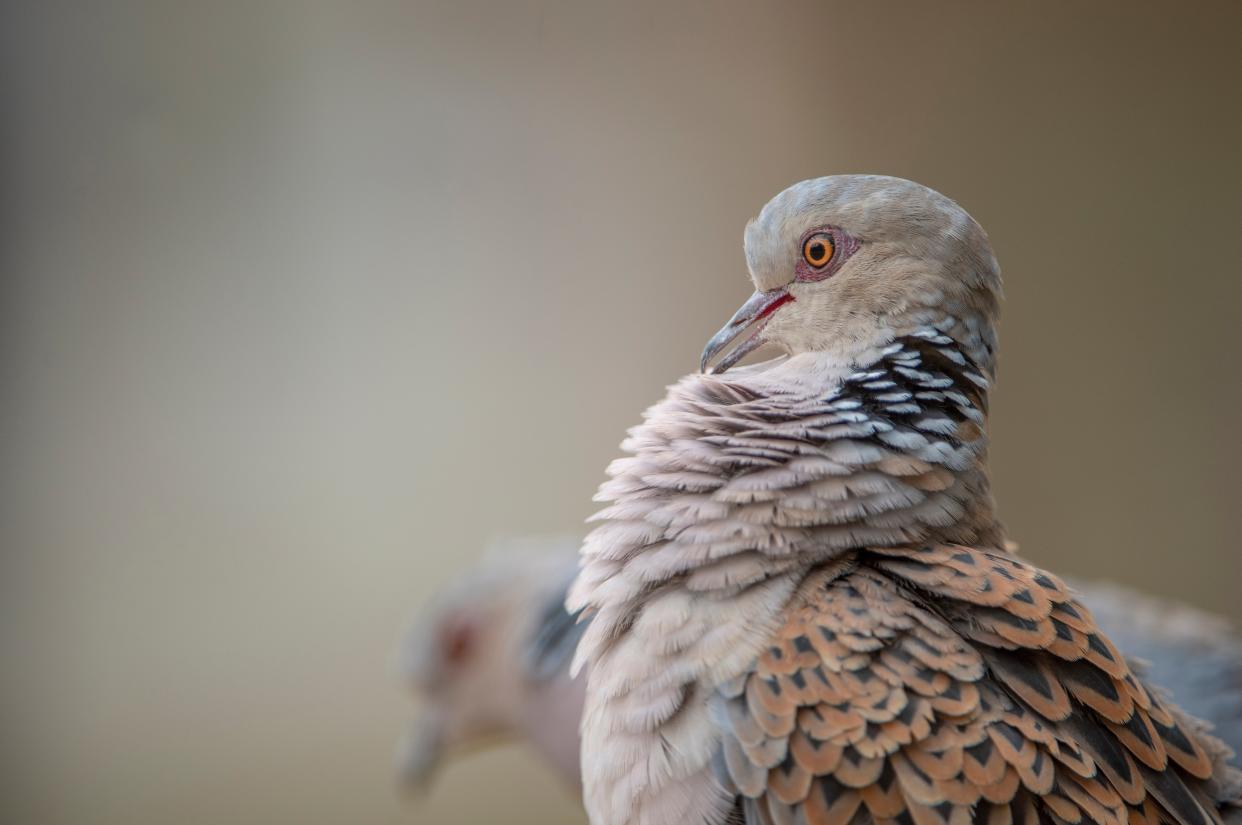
(1194, 655)
(1191, 653)
(803, 608)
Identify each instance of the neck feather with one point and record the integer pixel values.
(732, 480)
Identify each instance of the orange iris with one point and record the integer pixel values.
(818, 250)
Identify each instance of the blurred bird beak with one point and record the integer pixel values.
(754, 315)
(419, 754)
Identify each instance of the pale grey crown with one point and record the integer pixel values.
(907, 217)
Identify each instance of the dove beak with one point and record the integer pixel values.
(419, 754)
(732, 339)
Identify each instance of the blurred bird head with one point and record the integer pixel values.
(453, 664)
(465, 658)
(844, 264)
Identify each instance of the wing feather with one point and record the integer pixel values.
(951, 685)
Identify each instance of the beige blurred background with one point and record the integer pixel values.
(303, 303)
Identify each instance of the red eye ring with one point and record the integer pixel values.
(818, 249)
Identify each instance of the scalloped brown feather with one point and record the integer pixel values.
(933, 682)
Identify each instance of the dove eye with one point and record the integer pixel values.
(818, 249)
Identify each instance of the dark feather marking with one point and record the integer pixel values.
(1173, 794)
(1090, 677)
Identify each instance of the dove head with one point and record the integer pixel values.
(457, 662)
(844, 264)
(466, 659)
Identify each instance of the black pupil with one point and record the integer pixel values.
(817, 251)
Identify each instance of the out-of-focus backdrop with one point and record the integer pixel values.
(304, 302)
